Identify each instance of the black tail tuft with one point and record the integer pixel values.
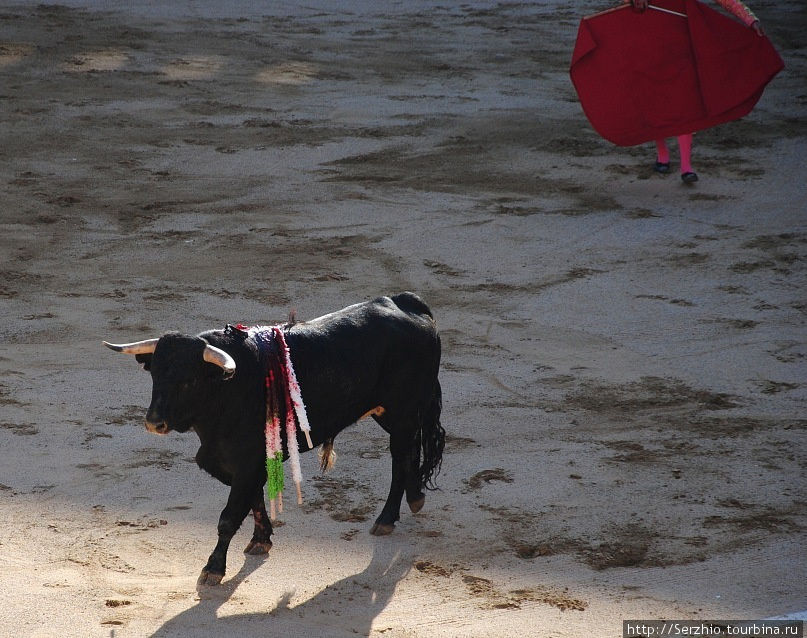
(432, 439)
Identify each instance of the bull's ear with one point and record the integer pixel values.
(145, 360)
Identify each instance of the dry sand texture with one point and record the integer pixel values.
(624, 357)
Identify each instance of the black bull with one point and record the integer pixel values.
(379, 357)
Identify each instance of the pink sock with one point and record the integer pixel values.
(685, 149)
(662, 152)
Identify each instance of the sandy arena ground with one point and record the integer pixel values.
(624, 367)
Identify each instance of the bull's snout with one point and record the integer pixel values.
(155, 422)
(160, 427)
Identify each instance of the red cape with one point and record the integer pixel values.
(650, 75)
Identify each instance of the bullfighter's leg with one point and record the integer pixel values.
(261, 541)
(239, 503)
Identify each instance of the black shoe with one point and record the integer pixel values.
(662, 167)
(689, 178)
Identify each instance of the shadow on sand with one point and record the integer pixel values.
(345, 608)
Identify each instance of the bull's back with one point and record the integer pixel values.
(368, 326)
(359, 352)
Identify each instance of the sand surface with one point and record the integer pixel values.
(624, 367)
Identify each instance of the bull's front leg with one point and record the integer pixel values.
(238, 506)
(261, 541)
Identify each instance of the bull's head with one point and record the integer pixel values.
(181, 377)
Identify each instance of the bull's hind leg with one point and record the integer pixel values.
(422, 433)
(391, 512)
(417, 501)
(430, 439)
(401, 448)
(415, 497)
(261, 541)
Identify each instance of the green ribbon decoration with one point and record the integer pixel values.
(274, 475)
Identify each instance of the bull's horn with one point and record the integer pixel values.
(138, 347)
(218, 357)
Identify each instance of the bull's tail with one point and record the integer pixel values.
(432, 439)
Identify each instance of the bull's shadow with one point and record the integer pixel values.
(345, 608)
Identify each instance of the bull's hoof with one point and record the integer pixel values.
(209, 579)
(256, 548)
(382, 529)
(417, 504)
